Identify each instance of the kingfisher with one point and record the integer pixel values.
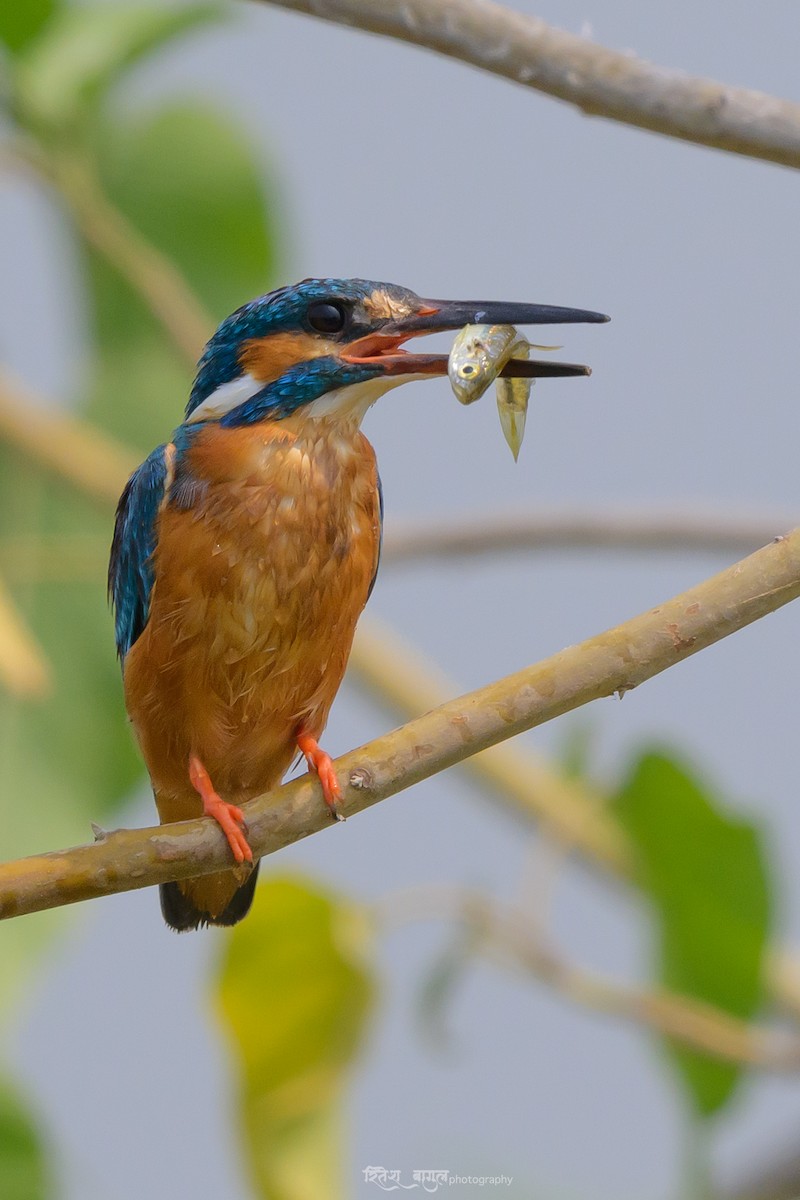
(246, 547)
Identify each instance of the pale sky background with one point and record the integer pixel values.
(399, 165)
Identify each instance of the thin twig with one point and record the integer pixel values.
(152, 274)
(504, 937)
(614, 661)
(601, 82)
(578, 529)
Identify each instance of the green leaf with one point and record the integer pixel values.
(184, 177)
(708, 878)
(85, 49)
(294, 994)
(21, 21)
(23, 1168)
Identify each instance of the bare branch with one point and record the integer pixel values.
(24, 669)
(79, 556)
(81, 453)
(614, 661)
(601, 82)
(579, 529)
(502, 935)
(570, 811)
(152, 274)
(516, 777)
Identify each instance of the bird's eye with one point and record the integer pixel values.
(326, 317)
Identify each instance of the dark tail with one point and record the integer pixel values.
(187, 905)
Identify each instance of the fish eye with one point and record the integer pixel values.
(468, 369)
(326, 317)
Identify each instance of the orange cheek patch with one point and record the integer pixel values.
(266, 359)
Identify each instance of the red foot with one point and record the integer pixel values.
(227, 816)
(322, 764)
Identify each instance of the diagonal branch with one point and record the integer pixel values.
(149, 272)
(614, 661)
(601, 82)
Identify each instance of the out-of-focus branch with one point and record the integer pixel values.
(571, 811)
(79, 452)
(578, 529)
(54, 557)
(152, 274)
(601, 82)
(79, 556)
(614, 661)
(397, 675)
(775, 1180)
(24, 669)
(500, 933)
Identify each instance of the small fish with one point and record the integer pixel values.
(478, 356)
(512, 405)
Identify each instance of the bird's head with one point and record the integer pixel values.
(332, 346)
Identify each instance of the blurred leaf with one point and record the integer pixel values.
(295, 992)
(87, 48)
(21, 21)
(23, 1171)
(185, 178)
(707, 875)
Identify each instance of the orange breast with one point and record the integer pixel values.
(257, 591)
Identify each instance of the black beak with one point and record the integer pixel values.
(437, 316)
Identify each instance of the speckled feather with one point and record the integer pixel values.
(263, 561)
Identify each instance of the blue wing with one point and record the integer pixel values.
(130, 571)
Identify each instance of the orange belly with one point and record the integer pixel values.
(258, 587)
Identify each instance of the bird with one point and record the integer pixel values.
(246, 547)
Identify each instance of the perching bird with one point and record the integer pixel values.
(245, 549)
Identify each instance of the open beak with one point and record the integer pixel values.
(436, 316)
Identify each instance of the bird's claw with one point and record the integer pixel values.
(321, 763)
(228, 816)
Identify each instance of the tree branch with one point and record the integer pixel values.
(503, 935)
(81, 453)
(579, 529)
(24, 669)
(518, 778)
(571, 811)
(79, 557)
(601, 82)
(614, 661)
(149, 272)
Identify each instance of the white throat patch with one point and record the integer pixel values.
(349, 403)
(354, 401)
(226, 397)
